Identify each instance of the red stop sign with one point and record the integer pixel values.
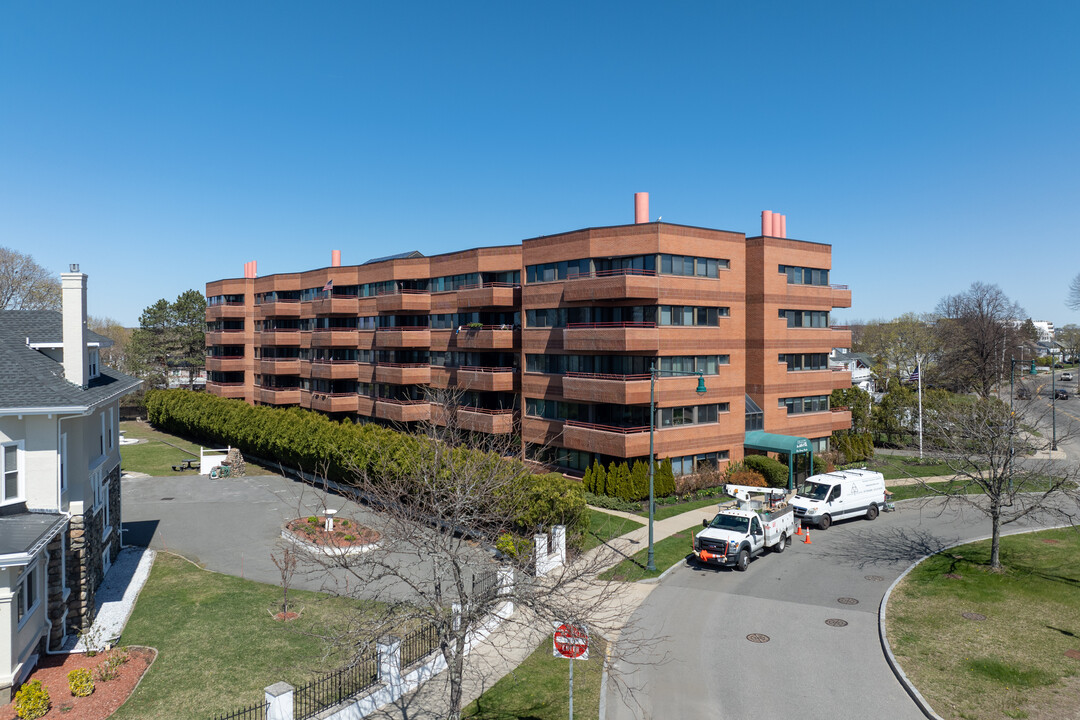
(571, 642)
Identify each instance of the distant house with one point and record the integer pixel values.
(857, 364)
(1045, 348)
(60, 486)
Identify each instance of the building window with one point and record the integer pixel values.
(687, 315)
(101, 436)
(692, 266)
(805, 275)
(797, 362)
(805, 318)
(800, 405)
(95, 358)
(27, 594)
(112, 430)
(12, 472)
(689, 464)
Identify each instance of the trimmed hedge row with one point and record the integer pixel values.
(310, 441)
(626, 484)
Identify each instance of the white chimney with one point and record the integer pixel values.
(73, 297)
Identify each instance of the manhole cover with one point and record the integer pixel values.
(836, 622)
(163, 499)
(1074, 654)
(757, 638)
(973, 616)
(875, 578)
(847, 601)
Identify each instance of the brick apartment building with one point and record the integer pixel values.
(553, 339)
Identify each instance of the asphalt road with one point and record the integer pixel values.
(703, 663)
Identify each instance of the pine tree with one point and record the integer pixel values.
(639, 480)
(588, 481)
(599, 478)
(625, 486)
(611, 489)
(664, 480)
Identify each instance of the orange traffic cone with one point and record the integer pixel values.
(798, 528)
(806, 540)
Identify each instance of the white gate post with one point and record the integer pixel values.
(279, 701)
(540, 550)
(558, 539)
(506, 584)
(388, 650)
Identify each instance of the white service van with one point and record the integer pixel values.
(823, 499)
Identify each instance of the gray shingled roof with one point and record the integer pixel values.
(21, 532)
(30, 379)
(42, 326)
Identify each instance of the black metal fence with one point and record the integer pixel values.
(417, 644)
(485, 585)
(330, 689)
(252, 712)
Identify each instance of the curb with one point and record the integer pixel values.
(602, 711)
(655, 580)
(909, 688)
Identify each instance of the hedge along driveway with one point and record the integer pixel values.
(312, 442)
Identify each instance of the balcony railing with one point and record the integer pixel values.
(839, 287)
(607, 376)
(480, 368)
(405, 328)
(619, 272)
(608, 428)
(625, 324)
(480, 286)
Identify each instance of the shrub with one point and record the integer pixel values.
(107, 670)
(299, 438)
(610, 503)
(313, 520)
(774, 471)
(664, 480)
(80, 682)
(749, 478)
(348, 538)
(513, 547)
(32, 701)
(639, 481)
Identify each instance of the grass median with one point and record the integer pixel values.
(218, 646)
(984, 644)
(604, 527)
(666, 553)
(538, 689)
(159, 451)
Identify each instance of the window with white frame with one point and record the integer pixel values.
(27, 593)
(101, 436)
(112, 430)
(95, 361)
(106, 526)
(95, 487)
(11, 488)
(63, 463)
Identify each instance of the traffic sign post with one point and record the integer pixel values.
(570, 642)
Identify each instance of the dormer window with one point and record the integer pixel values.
(95, 359)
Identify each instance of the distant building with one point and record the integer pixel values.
(1045, 328)
(857, 364)
(60, 490)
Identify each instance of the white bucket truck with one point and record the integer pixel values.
(740, 533)
(821, 499)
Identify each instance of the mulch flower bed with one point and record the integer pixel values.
(108, 695)
(347, 533)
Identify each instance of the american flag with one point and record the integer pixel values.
(328, 286)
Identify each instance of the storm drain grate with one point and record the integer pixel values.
(973, 616)
(757, 638)
(836, 622)
(875, 578)
(847, 601)
(164, 499)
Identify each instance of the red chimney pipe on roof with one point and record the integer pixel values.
(335, 258)
(641, 207)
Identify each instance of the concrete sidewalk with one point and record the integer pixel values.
(519, 636)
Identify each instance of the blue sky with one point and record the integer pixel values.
(162, 145)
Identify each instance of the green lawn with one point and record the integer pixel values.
(666, 553)
(539, 688)
(159, 453)
(1013, 663)
(604, 527)
(899, 467)
(907, 492)
(663, 512)
(218, 646)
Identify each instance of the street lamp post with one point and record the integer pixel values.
(1053, 404)
(651, 563)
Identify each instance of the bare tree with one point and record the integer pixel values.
(25, 285)
(1072, 300)
(1069, 338)
(113, 356)
(459, 497)
(977, 329)
(1002, 469)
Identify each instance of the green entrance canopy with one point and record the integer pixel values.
(787, 444)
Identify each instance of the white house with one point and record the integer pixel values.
(60, 486)
(855, 363)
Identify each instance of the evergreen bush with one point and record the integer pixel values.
(80, 682)
(32, 701)
(774, 471)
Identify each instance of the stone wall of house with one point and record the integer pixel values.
(87, 552)
(54, 601)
